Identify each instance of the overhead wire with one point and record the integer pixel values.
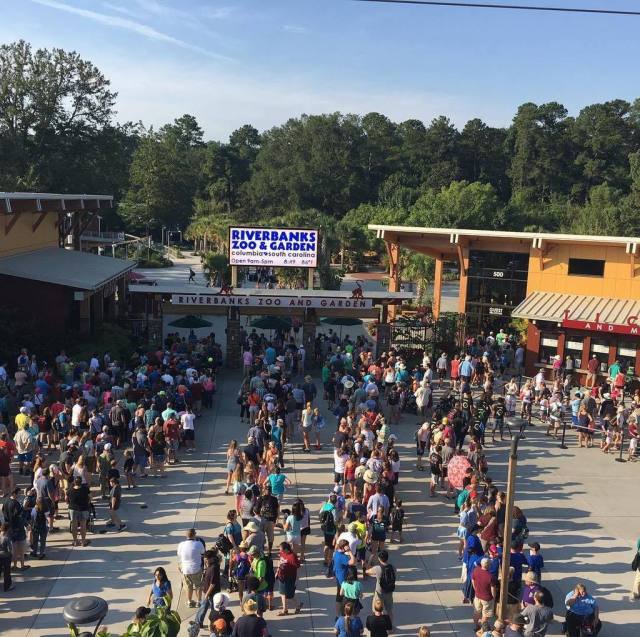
(508, 7)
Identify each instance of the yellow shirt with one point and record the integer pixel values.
(361, 532)
(22, 421)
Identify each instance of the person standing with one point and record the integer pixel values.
(210, 586)
(635, 591)
(385, 575)
(538, 617)
(13, 514)
(286, 575)
(190, 553)
(187, 420)
(79, 502)
(115, 499)
(582, 609)
(484, 586)
(378, 624)
(250, 625)
(6, 551)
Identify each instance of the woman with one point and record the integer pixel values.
(243, 401)
(233, 529)
(80, 471)
(286, 575)
(221, 618)
(233, 458)
(161, 594)
(306, 425)
(157, 445)
(45, 424)
(585, 426)
(305, 529)
(318, 424)
(377, 535)
(79, 501)
(239, 485)
(349, 479)
(635, 590)
(349, 625)
(351, 590)
(292, 526)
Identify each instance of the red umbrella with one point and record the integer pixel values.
(457, 468)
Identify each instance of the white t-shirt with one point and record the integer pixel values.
(75, 414)
(94, 364)
(352, 538)
(190, 554)
(339, 460)
(187, 421)
(167, 378)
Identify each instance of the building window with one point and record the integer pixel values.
(573, 348)
(548, 349)
(626, 354)
(600, 349)
(586, 267)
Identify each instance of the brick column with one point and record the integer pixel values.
(233, 338)
(533, 347)
(309, 338)
(383, 338)
(393, 252)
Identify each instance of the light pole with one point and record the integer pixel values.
(84, 611)
(99, 220)
(508, 527)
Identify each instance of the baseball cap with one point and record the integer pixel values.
(107, 446)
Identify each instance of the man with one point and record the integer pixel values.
(592, 372)
(466, 369)
(442, 365)
(210, 586)
(187, 420)
(385, 575)
(341, 561)
(250, 625)
(25, 444)
(515, 627)
(171, 430)
(484, 585)
(581, 608)
(538, 617)
(120, 417)
(376, 501)
(115, 498)
(268, 508)
(141, 449)
(190, 553)
(192, 276)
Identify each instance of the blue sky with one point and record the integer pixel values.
(231, 62)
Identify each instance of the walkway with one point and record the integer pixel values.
(580, 503)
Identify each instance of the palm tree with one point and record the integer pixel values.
(419, 269)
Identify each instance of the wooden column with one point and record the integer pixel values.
(393, 252)
(437, 287)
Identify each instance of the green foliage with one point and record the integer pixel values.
(216, 267)
(108, 338)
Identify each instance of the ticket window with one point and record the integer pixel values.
(573, 348)
(600, 348)
(548, 349)
(626, 355)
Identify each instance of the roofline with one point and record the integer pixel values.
(497, 234)
(47, 196)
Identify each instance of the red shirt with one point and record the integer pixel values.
(289, 565)
(455, 368)
(593, 365)
(482, 582)
(171, 429)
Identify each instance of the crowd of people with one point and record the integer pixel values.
(75, 434)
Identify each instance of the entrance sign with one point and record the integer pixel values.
(279, 247)
(631, 326)
(241, 300)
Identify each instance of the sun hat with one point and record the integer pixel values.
(220, 601)
(250, 607)
(370, 476)
(254, 550)
(348, 384)
(251, 526)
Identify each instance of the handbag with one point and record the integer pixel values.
(635, 564)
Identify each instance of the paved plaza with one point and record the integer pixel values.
(580, 504)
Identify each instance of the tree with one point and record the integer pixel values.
(380, 151)
(541, 151)
(165, 175)
(419, 269)
(54, 107)
(442, 142)
(604, 135)
(459, 205)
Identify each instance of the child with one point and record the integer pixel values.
(128, 469)
(544, 409)
(633, 446)
(607, 436)
(397, 520)
(555, 411)
(535, 560)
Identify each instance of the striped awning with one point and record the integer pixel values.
(551, 306)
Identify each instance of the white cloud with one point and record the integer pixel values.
(216, 13)
(222, 101)
(130, 25)
(294, 28)
(120, 9)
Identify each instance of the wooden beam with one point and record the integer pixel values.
(632, 261)
(38, 221)
(463, 270)
(10, 221)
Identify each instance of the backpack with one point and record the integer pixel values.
(270, 574)
(223, 544)
(327, 522)
(388, 579)
(267, 510)
(242, 567)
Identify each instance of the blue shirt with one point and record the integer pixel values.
(517, 560)
(276, 480)
(356, 627)
(270, 355)
(536, 564)
(466, 369)
(340, 566)
(584, 606)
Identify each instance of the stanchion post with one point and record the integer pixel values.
(564, 431)
(620, 458)
(508, 527)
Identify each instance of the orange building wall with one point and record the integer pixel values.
(21, 237)
(617, 281)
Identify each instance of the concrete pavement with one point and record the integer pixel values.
(580, 504)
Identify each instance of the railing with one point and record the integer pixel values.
(90, 235)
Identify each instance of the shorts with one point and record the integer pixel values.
(337, 478)
(483, 606)
(25, 457)
(287, 588)
(462, 532)
(141, 461)
(173, 444)
(338, 594)
(306, 531)
(78, 516)
(328, 540)
(361, 554)
(442, 373)
(193, 580)
(420, 447)
(189, 434)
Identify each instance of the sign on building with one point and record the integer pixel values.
(242, 300)
(278, 247)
